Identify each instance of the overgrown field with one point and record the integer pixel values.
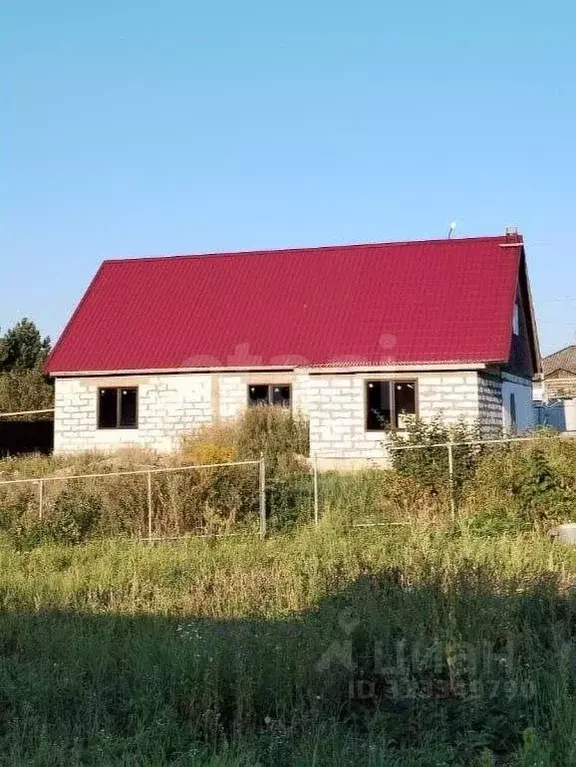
(420, 641)
(496, 488)
(402, 647)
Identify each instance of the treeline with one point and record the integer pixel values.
(23, 384)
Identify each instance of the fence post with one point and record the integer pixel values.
(262, 494)
(315, 471)
(40, 499)
(451, 480)
(149, 489)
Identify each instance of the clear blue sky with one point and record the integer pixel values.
(135, 127)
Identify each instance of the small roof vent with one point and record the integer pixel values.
(511, 230)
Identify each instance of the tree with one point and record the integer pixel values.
(25, 390)
(23, 385)
(23, 348)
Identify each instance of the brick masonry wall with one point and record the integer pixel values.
(336, 412)
(232, 398)
(453, 396)
(490, 406)
(233, 395)
(173, 405)
(336, 406)
(168, 407)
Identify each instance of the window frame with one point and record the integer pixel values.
(119, 425)
(392, 397)
(269, 396)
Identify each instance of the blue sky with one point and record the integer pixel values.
(136, 128)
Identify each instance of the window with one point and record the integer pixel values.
(269, 394)
(389, 404)
(118, 408)
(379, 406)
(404, 402)
(516, 320)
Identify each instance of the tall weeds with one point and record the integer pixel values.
(379, 648)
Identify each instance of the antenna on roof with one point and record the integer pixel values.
(451, 229)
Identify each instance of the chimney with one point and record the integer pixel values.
(511, 231)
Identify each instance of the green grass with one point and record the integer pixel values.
(238, 652)
(415, 643)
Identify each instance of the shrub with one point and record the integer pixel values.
(522, 486)
(277, 433)
(230, 494)
(283, 439)
(429, 466)
(208, 500)
(16, 503)
(273, 431)
(211, 443)
(76, 515)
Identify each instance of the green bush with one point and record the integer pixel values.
(523, 486)
(231, 494)
(207, 500)
(76, 515)
(429, 466)
(276, 432)
(283, 439)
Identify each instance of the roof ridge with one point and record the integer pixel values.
(559, 351)
(279, 251)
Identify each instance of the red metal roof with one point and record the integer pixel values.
(392, 303)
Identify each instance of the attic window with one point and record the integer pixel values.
(269, 394)
(516, 320)
(389, 404)
(118, 408)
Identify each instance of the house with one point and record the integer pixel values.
(357, 337)
(558, 378)
(555, 391)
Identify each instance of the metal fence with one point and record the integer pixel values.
(449, 459)
(450, 448)
(44, 501)
(160, 503)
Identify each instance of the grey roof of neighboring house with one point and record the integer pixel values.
(565, 359)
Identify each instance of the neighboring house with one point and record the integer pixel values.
(555, 390)
(558, 378)
(357, 337)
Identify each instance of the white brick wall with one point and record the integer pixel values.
(173, 405)
(454, 396)
(168, 406)
(233, 390)
(337, 407)
(337, 421)
(233, 395)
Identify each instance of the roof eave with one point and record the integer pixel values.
(329, 368)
